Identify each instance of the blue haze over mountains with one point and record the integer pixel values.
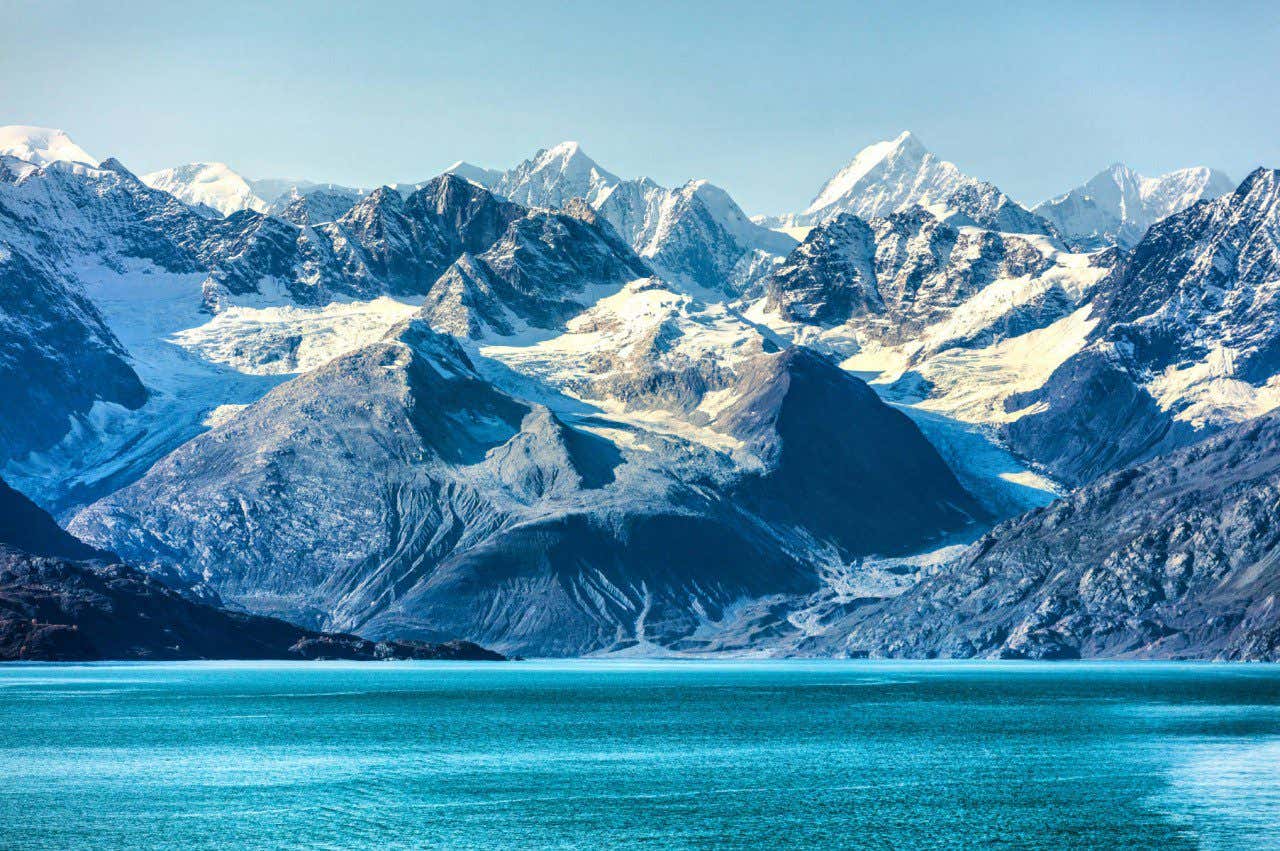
(557, 411)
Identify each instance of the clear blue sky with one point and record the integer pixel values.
(766, 99)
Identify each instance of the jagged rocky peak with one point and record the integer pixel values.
(547, 266)
(378, 218)
(1199, 257)
(1118, 205)
(213, 185)
(910, 267)
(552, 176)
(983, 205)
(41, 145)
(830, 276)
(465, 210)
(313, 207)
(393, 245)
(98, 214)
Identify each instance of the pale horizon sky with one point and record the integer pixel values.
(767, 100)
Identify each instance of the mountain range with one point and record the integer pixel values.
(560, 412)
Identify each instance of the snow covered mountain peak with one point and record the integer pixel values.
(695, 235)
(41, 145)
(883, 178)
(565, 149)
(1117, 205)
(215, 185)
(486, 177)
(554, 175)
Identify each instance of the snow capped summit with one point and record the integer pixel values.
(695, 234)
(486, 177)
(1117, 205)
(891, 176)
(553, 176)
(214, 185)
(41, 145)
(884, 178)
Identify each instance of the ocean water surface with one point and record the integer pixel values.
(598, 754)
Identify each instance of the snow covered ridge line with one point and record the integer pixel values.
(1113, 208)
(695, 234)
(154, 269)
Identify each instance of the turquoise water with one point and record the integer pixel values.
(662, 755)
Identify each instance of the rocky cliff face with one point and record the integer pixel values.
(65, 213)
(384, 244)
(1174, 559)
(544, 268)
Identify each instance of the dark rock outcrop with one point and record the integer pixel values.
(54, 610)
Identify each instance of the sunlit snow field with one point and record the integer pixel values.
(660, 754)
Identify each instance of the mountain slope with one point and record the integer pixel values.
(1118, 205)
(866, 479)
(57, 357)
(1177, 558)
(397, 491)
(62, 600)
(27, 527)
